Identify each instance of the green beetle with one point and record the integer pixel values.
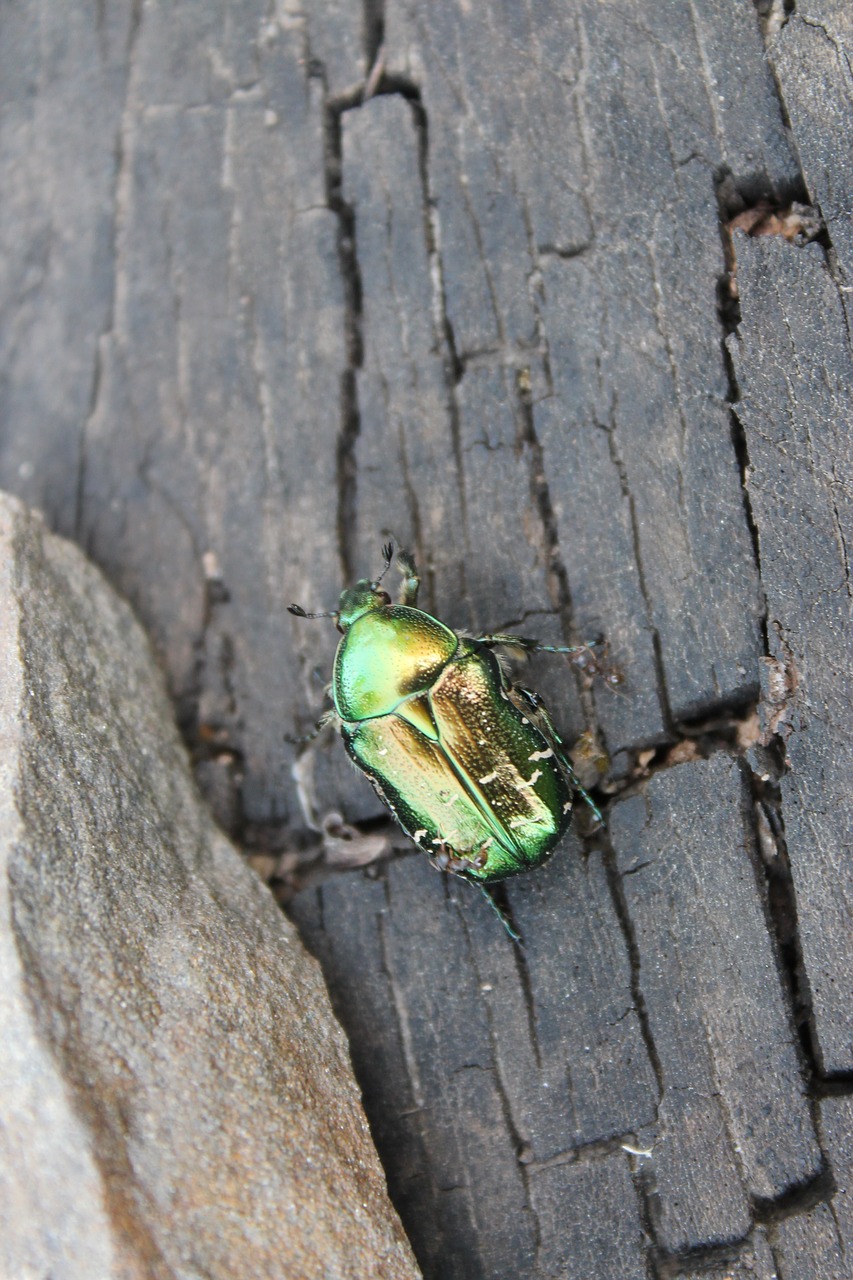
(469, 764)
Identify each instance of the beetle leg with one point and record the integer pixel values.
(587, 799)
(541, 714)
(530, 645)
(482, 855)
(443, 858)
(460, 862)
(387, 557)
(502, 916)
(298, 740)
(411, 578)
(590, 659)
(446, 859)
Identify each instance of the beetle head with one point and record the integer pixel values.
(364, 597)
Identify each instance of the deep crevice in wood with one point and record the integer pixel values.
(660, 674)
(779, 898)
(734, 196)
(773, 15)
(798, 1199)
(557, 574)
(649, 1215)
(671, 1265)
(444, 335)
(780, 903)
(394, 85)
(374, 30)
(632, 948)
(350, 422)
(838, 1085)
(738, 192)
(516, 1136)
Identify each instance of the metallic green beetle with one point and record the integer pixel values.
(468, 763)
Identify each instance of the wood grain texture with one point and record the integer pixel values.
(836, 1115)
(811, 58)
(731, 1078)
(254, 322)
(589, 1221)
(809, 1245)
(753, 1261)
(794, 366)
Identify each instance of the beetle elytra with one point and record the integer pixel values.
(469, 763)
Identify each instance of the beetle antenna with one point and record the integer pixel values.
(387, 556)
(299, 612)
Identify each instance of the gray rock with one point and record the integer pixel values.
(177, 1097)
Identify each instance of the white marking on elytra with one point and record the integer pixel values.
(536, 775)
(541, 755)
(419, 835)
(567, 807)
(524, 720)
(490, 777)
(383, 751)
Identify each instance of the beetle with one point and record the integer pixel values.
(469, 763)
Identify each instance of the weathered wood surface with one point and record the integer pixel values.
(253, 322)
(810, 57)
(795, 372)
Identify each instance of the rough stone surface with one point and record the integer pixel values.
(177, 1095)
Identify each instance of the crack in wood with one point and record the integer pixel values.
(780, 905)
(350, 421)
(626, 924)
(520, 1143)
(660, 672)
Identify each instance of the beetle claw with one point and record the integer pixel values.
(411, 579)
